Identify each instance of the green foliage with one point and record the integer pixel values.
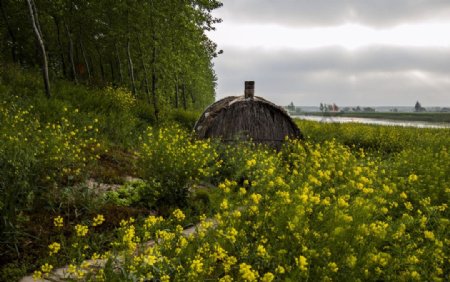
(171, 158)
(134, 193)
(384, 139)
(114, 110)
(162, 43)
(48, 152)
(36, 157)
(313, 211)
(186, 119)
(12, 272)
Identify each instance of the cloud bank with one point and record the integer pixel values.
(378, 13)
(375, 75)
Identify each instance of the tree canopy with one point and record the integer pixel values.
(156, 48)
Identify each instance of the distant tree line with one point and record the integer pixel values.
(418, 107)
(328, 107)
(156, 48)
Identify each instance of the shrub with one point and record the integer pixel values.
(186, 119)
(134, 193)
(314, 211)
(171, 158)
(36, 157)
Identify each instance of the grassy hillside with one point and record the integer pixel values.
(50, 147)
(350, 202)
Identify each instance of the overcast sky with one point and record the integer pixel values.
(348, 52)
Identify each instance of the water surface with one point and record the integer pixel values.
(418, 124)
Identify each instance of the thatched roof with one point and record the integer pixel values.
(239, 118)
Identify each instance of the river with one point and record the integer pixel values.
(418, 124)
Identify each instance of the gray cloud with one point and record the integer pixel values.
(379, 13)
(371, 76)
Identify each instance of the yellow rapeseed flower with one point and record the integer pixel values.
(302, 263)
(256, 198)
(58, 221)
(179, 215)
(268, 277)
(81, 230)
(98, 220)
(226, 278)
(54, 248)
(413, 178)
(333, 267)
(37, 275)
(224, 204)
(197, 265)
(261, 251)
(280, 269)
(46, 268)
(429, 235)
(247, 273)
(165, 278)
(251, 163)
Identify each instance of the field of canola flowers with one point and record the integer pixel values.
(317, 210)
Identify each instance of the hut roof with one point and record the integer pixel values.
(240, 118)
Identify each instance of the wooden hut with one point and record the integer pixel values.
(247, 117)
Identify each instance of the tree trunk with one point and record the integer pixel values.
(176, 92)
(113, 75)
(102, 70)
(144, 67)
(91, 63)
(119, 64)
(72, 61)
(61, 49)
(11, 34)
(131, 68)
(191, 93)
(154, 78)
(36, 17)
(38, 34)
(183, 92)
(83, 53)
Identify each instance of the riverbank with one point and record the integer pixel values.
(425, 117)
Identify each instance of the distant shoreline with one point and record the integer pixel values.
(423, 116)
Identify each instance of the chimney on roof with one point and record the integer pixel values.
(249, 89)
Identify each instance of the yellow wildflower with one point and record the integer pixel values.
(333, 267)
(46, 268)
(429, 235)
(224, 204)
(268, 277)
(413, 178)
(81, 230)
(54, 248)
(256, 198)
(37, 275)
(226, 278)
(247, 273)
(58, 221)
(98, 220)
(251, 163)
(261, 251)
(197, 265)
(302, 263)
(179, 215)
(280, 269)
